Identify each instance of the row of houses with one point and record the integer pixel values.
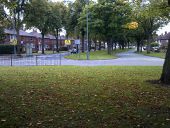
(34, 39)
(163, 39)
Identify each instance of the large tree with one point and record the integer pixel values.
(38, 13)
(2, 22)
(74, 11)
(165, 77)
(106, 21)
(56, 20)
(13, 19)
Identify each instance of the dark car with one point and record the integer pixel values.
(155, 49)
(144, 48)
(73, 51)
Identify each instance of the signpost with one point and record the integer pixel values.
(77, 43)
(14, 43)
(67, 42)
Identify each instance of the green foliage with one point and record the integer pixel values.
(56, 17)
(73, 14)
(37, 15)
(2, 35)
(6, 49)
(155, 54)
(149, 18)
(63, 49)
(154, 44)
(106, 21)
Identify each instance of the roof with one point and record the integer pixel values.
(21, 32)
(159, 37)
(36, 34)
(33, 34)
(51, 36)
(166, 37)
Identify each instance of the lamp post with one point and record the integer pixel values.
(87, 27)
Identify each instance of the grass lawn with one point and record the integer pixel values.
(154, 54)
(49, 52)
(86, 97)
(96, 55)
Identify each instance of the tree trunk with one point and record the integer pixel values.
(141, 46)
(104, 45)
(112, 45)
(95, 45)
(82, 40)
(109, 47)
(138, 46)
(123, 45)
(165, 77)
(57, 50)
(115, 45)
(120, 46)
(128, 44)
(18, 41)
(100, 45)
(149, 44)
(42, 42)
(17, 29)
(89, 45)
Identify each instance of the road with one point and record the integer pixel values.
(124, 59)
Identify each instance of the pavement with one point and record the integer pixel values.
(129, 58)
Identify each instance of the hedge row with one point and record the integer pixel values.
(6, 49)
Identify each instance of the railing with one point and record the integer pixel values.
(35, 60)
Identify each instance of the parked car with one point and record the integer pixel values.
(144, 48)
(155, 49)
(74, 51)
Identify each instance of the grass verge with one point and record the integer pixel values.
(154, 54)
(96, 55)
(95, 97)
(49, 52)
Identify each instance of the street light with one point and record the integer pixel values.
(87, 27)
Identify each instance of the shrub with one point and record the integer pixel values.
(6, 49)
(63, 48)
(154, 44)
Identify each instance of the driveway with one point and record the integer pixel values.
(124, 59)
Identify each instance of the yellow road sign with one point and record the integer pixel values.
(67, 42)
(13, 41)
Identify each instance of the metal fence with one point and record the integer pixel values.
(35, 60)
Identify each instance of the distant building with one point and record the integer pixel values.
(163, 39)
(33, 38)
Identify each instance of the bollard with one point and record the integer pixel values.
(36, 60)
(11, 59)
(60, 59)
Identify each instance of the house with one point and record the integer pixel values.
(163, 39)
(34, 39)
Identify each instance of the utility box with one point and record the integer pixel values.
(28, 49)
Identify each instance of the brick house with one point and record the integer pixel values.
(163, 40)
(34, 38)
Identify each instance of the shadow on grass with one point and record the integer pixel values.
(157, 82)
